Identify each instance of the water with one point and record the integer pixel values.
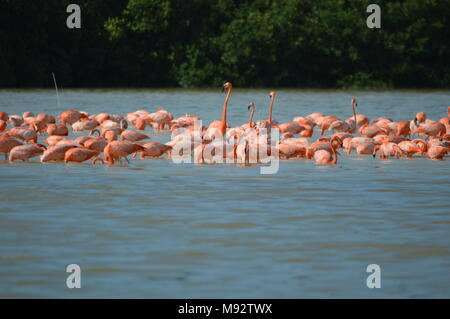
(156, 229)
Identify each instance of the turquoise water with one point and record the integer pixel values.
(156, 229)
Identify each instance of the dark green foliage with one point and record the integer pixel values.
(198, 43)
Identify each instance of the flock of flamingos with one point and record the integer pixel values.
(109, 134)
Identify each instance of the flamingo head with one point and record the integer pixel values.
(272, 94)
(123, 124)
(91, 133)
(42, 146)
(421, 117)
(251, 105)
(338, 140)
(227, 85)
(354, 102)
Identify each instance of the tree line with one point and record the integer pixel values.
(202, 43)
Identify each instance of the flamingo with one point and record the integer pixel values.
(445, 121)
(365, 148)
(116, 126)
(350, 125)
(38, 126)
(323, 144)
(53, 139)
(133, 136)
(140, 123)
(110, 135)
(97, 144)
(16, 120)
(71, 116)
(379, 139)
(27, 114)
(387, 149)
(133, 116)
(352, 143)
(316, 118)
(326, 122)
(85, 125)
(161, 118)
(250, 123)
(7, 143)
(56, 153)
(359, 119)
(403, 128)
(223, 125)
(186, 120)
(409, 148)
(216, 129)
(116, 150)
(370, 131)
(290, 127)
(4, 116)
(3, 125)
(289, 150)
(434, 129)
(24, 134)
(269, 122)
(79, 154)
(421, 117)
(437, 152)
(25, 152)
(324, 156)
(46, 118)
(60, 130)
(100, 118)
(154, 149)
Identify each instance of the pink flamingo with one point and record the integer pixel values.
(324, 156)
(387, 149)
(25, 152)
(250, 123)
(154, 149)
(7, 143)
(71, 116)
(56, 153)
(431, 129)
(79, 154)
(120, 149)
(24, 134)
(222, 125)
(133, 136)
(60, 130)
(3, 125)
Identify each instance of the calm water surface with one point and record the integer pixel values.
(156, 229)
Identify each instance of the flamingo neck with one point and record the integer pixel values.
(270, 109)
(224, 112)
(334, 154)
(250, 123)
(354, 116)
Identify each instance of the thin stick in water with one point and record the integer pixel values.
(56, 88)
